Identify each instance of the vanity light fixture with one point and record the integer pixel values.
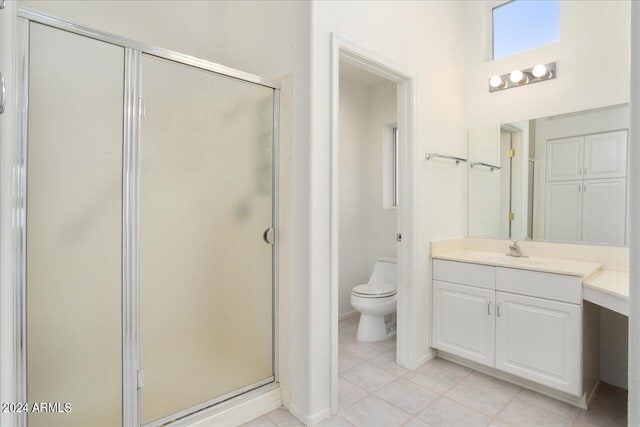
(518, 77)
(497, 82)
(539, 73)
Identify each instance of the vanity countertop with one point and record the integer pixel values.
(611, 282)
(609, 289)
(535, 263)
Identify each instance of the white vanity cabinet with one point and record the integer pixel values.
(525, 323)
(539, 327)
(465, 322)
(539, 339)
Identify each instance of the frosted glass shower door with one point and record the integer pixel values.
(206, 279)
(74, 229)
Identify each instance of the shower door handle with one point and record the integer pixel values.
(269, 235)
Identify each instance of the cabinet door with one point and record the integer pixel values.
(564, 159)
(464, 321)
(604, 209)
(540, 340)
(605, 155)
(563, 211)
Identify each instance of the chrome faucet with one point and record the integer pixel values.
(515, 251)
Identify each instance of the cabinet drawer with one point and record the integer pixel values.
(481, 276)
(558, 287)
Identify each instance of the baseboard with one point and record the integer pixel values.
(242, 412)
(431, 353)
(579, 401)
(347, 315)
(310, 420)
(593, 392)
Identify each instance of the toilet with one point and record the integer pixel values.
(376, 302)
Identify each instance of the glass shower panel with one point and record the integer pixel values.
(73, 222)
(206, 286)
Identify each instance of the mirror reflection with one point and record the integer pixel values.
(561, 178)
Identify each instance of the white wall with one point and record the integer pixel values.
(269, 39)
(592, 56)
(426, 39)
(579, 123)
(484, 183)
(367, 231)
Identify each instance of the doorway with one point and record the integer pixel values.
(360, 60)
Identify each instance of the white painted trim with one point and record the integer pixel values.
(310, 420)
(283, 234)
(243, 412)
(431, 354)
(579, 401)
(363, 58)
(634, 233)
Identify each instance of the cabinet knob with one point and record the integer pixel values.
(498, 309)
(489, 308)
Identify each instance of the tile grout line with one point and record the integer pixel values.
(393, 404)
(474, 409)
(437, 391)
(495, 417)
(355, 401)
(575, 417)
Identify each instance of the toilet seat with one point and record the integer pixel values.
(375, 290)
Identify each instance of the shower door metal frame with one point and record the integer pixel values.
(132, 110)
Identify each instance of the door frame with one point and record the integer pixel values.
(407, 312)
(133, 108)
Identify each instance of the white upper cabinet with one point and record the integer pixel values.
(605, 155)
(563, 213)
(564, 159)
(585, 192)
(604, 211)
(602, 155)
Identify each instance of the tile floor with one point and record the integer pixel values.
(374, 391)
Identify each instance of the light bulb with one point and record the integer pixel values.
(539, 71)
(516, 76)
(496, 81)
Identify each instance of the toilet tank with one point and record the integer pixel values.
(384, 271)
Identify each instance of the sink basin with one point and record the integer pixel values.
(505, 259)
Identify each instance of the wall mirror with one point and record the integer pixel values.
(561, 178)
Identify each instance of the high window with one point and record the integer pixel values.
(520, 25)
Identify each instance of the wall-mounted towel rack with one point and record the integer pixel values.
(429, 156)
(486, 165)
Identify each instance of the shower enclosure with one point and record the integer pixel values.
(145, 228)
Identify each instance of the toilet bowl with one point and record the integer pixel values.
(376, 302)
